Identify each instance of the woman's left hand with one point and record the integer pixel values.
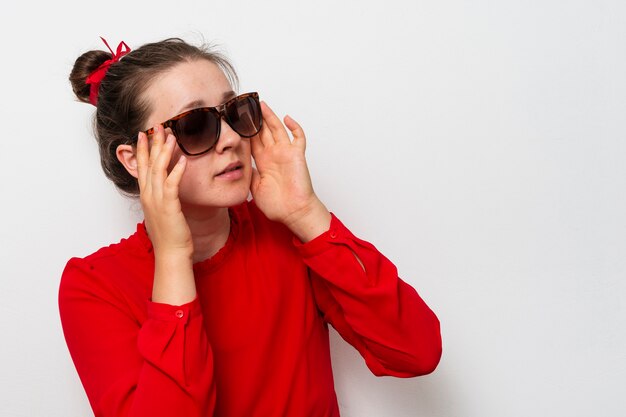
(282, 186)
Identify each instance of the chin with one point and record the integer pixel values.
(230, 196)
(238, 194)
(235, 200)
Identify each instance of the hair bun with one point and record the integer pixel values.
(83, 67)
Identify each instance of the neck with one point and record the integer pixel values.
(209, 231)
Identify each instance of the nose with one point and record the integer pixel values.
(228, 138)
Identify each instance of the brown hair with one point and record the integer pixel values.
(121, 112)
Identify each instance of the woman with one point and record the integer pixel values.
(218, 306)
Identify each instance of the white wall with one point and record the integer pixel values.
(479, 145)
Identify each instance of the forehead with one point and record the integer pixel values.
(198, 81)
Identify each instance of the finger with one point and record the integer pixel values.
(142, 159)
(265, 134)
(299, 139)
(159, 168)
(158, 139)
(165, 156)
(273, 124)
(173, 180)
(256, 145)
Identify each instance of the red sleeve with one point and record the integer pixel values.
(163, 367)
(373, 309)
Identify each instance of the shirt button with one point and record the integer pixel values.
(180, 314)
(333, 234)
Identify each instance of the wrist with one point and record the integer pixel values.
(173, 253)
(174, 281)
(310, 221)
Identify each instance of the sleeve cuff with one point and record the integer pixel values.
(336, 233)
(161, 311)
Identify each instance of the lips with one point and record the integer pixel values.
(230, 168)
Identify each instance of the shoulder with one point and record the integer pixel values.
(101, 269)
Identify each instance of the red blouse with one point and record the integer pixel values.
(255, 340)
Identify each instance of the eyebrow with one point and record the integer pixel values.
(201, 103)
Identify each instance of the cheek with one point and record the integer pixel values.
(175, 157)
(191, 182)
(198, 172)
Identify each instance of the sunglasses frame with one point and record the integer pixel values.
(219, 112)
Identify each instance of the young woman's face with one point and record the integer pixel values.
(191, 85)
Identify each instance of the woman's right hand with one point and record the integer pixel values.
(166, 225)
(165, 222)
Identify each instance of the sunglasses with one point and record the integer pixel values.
(198, 130)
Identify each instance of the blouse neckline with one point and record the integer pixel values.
(214, 261)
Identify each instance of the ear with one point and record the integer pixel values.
(127, 157)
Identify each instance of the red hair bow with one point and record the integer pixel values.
(96, 77)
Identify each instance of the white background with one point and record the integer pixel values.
(480, 145)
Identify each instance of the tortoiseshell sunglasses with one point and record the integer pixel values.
(198, 130)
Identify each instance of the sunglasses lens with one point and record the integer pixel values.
(244, 115)
(197, 132)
